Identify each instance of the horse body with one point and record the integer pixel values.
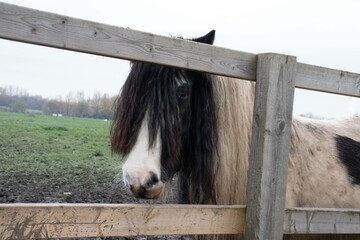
(172, 121)
(317, 177)
(318, 174)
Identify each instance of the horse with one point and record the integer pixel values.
(197, 126)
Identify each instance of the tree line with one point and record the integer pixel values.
(72, 105)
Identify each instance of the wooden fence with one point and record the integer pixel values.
(266, 217)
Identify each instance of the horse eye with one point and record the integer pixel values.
(182, 92)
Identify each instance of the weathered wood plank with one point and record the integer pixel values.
(25, 221)
(267, 173)
(19, 221)
(322, 221)
(327, 80)
(47, 29)
(53, 30)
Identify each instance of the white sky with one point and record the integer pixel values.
(320, 32)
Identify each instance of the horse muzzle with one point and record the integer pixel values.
(147, 186)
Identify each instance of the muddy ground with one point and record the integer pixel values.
(103, 188)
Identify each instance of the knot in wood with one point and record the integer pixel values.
(280, 126)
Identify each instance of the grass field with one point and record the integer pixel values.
(57, 159)
(51, 159)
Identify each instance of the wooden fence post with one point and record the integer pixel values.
(270, 143)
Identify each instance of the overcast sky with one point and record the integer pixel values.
(318, 32)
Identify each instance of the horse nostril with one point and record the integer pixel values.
(149, 188)
(153, 179)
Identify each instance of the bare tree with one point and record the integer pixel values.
(95, 105)
(82, 104)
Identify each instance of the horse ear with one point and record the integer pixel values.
(207, 39)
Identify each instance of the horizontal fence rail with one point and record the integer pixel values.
(47, 29)
(327, 80)
(53, 30)
(93, 220)
(106, 220)
(321, 221)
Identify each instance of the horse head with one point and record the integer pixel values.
(164, 124)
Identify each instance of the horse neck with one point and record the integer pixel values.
(235, 100)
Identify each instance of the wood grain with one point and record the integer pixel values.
(58, 31)
(327, 80)
(322, 221)
(19, 221)
(25, 221)
(270, 146)
(53, 30)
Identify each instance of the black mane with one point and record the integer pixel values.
(179, 104)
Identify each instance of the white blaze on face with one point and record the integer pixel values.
(143, 162)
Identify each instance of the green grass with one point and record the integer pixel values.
(29, 140)
(45, 150)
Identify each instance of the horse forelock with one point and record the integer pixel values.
(130, 109)
(186, 124)
(142, 94)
